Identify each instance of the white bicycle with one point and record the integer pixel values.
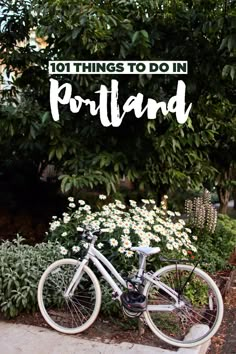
(171, 301)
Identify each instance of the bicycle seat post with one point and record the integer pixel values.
(142, 264)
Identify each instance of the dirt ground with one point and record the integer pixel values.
(225, 340)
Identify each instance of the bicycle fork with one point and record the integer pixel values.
(76, 279)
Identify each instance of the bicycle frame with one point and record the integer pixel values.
(99, 260)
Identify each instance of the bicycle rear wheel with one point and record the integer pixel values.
(76, 312)
(197, 302)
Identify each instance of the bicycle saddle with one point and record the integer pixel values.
(146, 250)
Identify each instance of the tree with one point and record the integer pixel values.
(157, 154)
(223, 151)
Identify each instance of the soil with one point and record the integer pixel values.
(224, 342)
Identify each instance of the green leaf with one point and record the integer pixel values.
(51, 154)
(75, 33)
(144, 34)
(226, 70)
(59, 153)
(45, 117)
(135, 36)
(232, 72)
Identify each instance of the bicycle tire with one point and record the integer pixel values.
(53, 304)
(213, 302)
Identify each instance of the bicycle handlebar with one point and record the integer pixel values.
(80, 229)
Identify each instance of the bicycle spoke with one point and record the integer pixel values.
(196, 303)
(74, 311)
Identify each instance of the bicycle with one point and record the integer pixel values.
(171, 301)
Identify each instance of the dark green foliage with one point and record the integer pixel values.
(216, 249)
(156, 154)
(109, 307)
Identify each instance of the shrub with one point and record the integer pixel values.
(145, 225)
(21, 268)
(216, 248)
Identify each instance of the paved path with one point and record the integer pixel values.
(24, 339)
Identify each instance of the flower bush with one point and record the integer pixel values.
(133, 225)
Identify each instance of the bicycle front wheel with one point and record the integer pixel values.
(180, 299)
(74, 313)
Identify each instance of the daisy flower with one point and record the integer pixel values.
(75, 249)
(113, 242)
(169, 246)
(102, 197)
(72, 205)
(63, 250)
(127, 244)
(129, 254)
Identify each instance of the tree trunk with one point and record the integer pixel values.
(234, 197)
(223, 208)
(224, 195)
(224, 189)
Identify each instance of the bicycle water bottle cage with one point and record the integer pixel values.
(134, 301)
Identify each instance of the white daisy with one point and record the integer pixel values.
(63, 250)
(102, 197)
(127, 244)
(54, 225)
(129, 254)
(75, 249)
(113, 242)
(72, 205)
(169, 246)
(66, 219)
